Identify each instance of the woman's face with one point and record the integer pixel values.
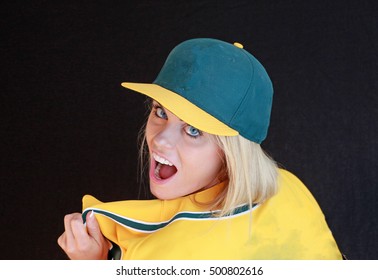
(183, 160)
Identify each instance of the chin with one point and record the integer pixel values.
(161, 194)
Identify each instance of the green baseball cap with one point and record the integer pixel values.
(215, 86)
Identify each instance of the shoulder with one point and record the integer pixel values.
(294, 195)
(288, 177)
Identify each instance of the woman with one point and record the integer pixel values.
(218, 195)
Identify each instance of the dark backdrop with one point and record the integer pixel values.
(68, 128)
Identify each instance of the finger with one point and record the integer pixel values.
(67, 226)
(79, 230)
(93, 228)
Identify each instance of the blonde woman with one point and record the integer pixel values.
(218, 195)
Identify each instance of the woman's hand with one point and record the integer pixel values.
(83, 242)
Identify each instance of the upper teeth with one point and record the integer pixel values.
(161, 160)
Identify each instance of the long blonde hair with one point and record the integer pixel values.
(251, 173)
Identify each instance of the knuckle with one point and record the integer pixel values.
(68, 217)
(77, 223)
(60, 240)
(72, 216)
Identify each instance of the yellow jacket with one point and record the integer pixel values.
(289, 225)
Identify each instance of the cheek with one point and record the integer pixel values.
(216, 161)
(207, 161)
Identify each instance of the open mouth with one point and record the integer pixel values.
(164, 169)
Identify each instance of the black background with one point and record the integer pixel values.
(68, 128)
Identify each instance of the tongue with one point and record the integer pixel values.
(167, 171)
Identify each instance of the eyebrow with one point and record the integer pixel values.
(153, 100)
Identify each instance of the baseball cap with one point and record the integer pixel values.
(215, 86)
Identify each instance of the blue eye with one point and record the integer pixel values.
(159, 112)
(192, 131)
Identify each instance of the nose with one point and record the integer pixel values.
(168, 136)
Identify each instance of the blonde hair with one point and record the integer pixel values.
(251, 173)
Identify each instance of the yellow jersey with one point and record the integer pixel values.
(290, 225)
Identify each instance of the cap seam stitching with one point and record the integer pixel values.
(247, 89)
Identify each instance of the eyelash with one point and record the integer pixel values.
(156, 107)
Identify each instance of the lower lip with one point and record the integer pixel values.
(152, 174)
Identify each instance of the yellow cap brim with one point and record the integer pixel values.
(183, 109)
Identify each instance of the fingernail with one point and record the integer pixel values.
(91, 214)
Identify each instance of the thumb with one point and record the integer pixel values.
(92, 226)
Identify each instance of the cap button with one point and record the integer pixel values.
(236, 44)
